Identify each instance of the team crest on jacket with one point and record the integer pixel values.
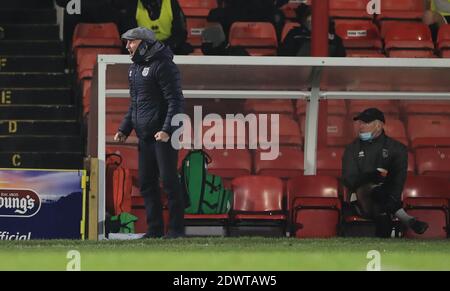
(145, 72)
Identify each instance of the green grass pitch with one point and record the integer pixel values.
(228, 254)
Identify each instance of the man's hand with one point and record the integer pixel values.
(120, 137)
(162, 136)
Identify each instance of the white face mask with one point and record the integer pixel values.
(365, 136)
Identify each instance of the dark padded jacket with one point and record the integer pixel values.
(155, 90)
(361, 160)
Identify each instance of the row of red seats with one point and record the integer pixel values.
(314, 206)
(421, 131)
(232, 163)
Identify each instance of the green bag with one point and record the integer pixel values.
(123, 223)
(206, 192)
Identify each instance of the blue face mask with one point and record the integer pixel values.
(365, 136)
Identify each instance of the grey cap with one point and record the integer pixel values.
(139, 33)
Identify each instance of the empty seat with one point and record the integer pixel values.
(329, 161)
(428, 130)
(425, 107)
(96, 35)
(314, 206)
(289, 163)
(259, 38)
(356, 9)
(337, 130)
(268, 106)
(87, 58)
(402, 9)
(117, 105)
(230, 163)
(433, 162)
(356, 53)
(409, 39)
(427, 199)
(334, 107)
(443, 41)
(258, 198)
(359, 34)
(197, 8)
(388, 107)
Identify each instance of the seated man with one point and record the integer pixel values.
(298, 40)
(374, 169)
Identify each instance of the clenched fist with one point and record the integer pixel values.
(120, 137)
(162, 136)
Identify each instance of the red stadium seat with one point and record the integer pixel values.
(96, 35)
(289, 131)
(337, 130)
(352, 53)
(427, 199)
(425, 107)
(289, 163)
(443, 41)
(356, 9)
(258, 198)
(86, 101)
(117, 105)
(334, 107)
(269, 106)
(259, 38)
(428, 130)
(388, 107)
(433, 162)
(314, 206)
(195, 27)
(229, 163)
(197, 8)
(87, 58)
(411, 164)
(402, 9)
(359, 34)
(329, 161)
(409, 39)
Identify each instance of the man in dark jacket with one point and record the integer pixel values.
(374, 169)
(156, 96)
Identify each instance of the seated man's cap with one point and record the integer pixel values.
(369, 115)
(139, 33)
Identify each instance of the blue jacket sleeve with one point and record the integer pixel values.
(170, 83)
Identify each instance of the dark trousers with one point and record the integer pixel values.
(159, 160)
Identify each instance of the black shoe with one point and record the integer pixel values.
(152, 235)
(383, 226)
(418, 226)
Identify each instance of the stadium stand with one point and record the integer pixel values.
(433, 162)
(288, 164)
(36, 93)
(428, 130)
(401, 10)
(359, 37)
(443, 41)
(349, 9)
